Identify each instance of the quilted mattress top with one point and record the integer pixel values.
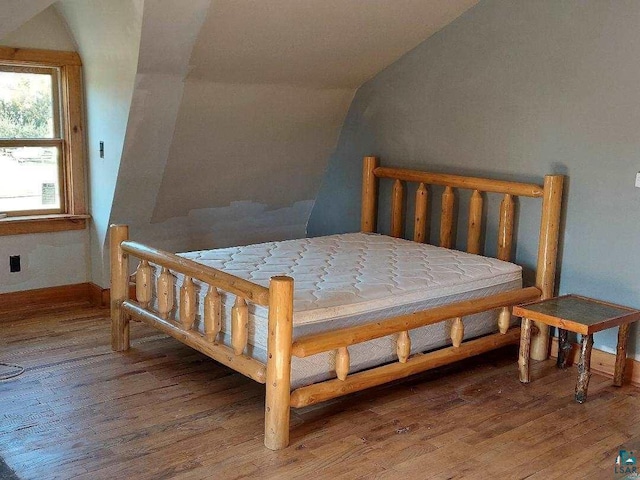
(355, 273)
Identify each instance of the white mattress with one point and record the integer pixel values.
(356, 278)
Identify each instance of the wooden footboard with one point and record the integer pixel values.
(276, 374)
(340, 340)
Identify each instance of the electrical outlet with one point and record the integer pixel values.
(14, 263)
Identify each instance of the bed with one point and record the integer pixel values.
(366, 308)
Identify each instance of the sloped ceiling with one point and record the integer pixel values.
(261, 103)
(235, 107)
(321, 43)
(15, 13)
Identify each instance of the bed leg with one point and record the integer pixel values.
(278, 398)
(119, 287)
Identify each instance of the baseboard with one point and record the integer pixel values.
(53, 297)
(602, 362)
(42, 298)
(99, 296)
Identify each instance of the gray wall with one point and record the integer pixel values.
(515, 90)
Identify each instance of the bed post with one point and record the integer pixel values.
(547, 256)
(278, 399)
(369, 212)
(119, 287)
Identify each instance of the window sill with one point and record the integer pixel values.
(42, 224)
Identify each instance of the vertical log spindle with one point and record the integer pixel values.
(457, 332)
(397, 202)
(446, 219)
(143, 283)
(164, 289)
(212, 314)
(505, 228)
(420, 223)
(187, 303)
(403, 346)
(475, 223)
(342, 362)
(369, 211)
(239, 325)
(504, 320)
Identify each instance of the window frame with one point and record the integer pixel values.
(70, 141)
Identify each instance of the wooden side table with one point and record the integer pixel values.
(573, 313)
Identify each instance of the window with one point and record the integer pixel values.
(41, 140)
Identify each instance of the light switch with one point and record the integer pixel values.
(638, 179)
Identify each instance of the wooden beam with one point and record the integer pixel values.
(458, 181)
(28, 56)
(25, 225)
(74, 144)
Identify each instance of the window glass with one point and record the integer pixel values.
(29, 179)
(26, 105)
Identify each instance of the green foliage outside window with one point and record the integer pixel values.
(27, 112)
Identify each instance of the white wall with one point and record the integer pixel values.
(45, 31)
(16, 13)
(108, 36)
(48, 259)
(232, 135)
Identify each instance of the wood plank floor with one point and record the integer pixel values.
(162, 410)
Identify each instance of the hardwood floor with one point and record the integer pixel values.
(162, 410)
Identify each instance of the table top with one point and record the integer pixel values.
(577, 314)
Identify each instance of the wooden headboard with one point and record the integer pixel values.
(550, 193)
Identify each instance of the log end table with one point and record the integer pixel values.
(574, 313)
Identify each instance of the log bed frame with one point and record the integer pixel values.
(278, 297)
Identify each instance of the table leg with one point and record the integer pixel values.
(564, 348)
(525, 348)
(584, 368)
(621, 354)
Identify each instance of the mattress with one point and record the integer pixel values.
(352, 279)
